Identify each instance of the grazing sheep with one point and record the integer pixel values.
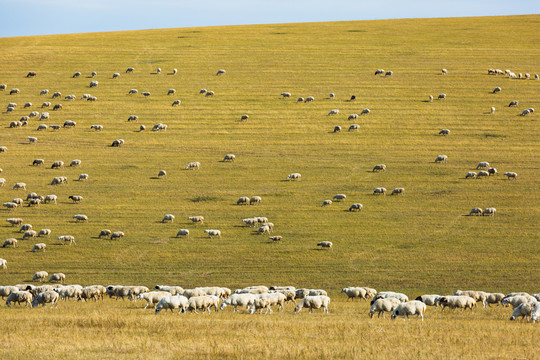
(19, 185)
(3, 86)
(142, 128)
(57, 277)
(182, 232)
(309, 99)
(243, 200)
(59, 180)
(25, 227)
(380, 306)
(91, 98)
(444, 71)
(9, 205)
(14, 221)
(333, 112)
(196, 219)
(158, 71)
(413, 307)
(489, 212)
(229, 157)
(441, 96)
(75, 162)
(80, 217)
(10, 242)
(388, 73)
(133, 91)
(286, 94)
(27, 105)
(492, 171)
(159, 127)
(40, 275)
(162, 174)
(354, 127)
(31, 74)
(75, 198)
(482, 174)
(94, 83)
(524, 310)
(3, 149)
(294, 176)
(337, 128)
(429, 300)
(176, 102)
(19, 297)
(14, 91)
(220, 72)
(42, 127)
(517, 300)
(57, 164)
(174, 71)
(497, 90)
(444, 132)
(69, 124)
(339, 197)
(15, 124)
(202, 91)
(379, 167)
(117, 235)
(117, 143)
(510, 175)
(173, 290)
(326, 245)
(133, 118)
(482, 164)
(244, 117)
(168, 217)
(476, 211)
(38, 162)
(145, 93)
(492, 110)
(153, 297)
(353, 97)
(46, 297)
(172, 302)
(326, 203)
(397, 191)
(105, 232)
(130, 70)
(300, 99)
(83, 177)
(470, 175)
(44, 232)
(462, 302)
(77, 74)
(34, 202)
(255, 200)
(379, 191)
(365, 112)
(57, 107)
(209, 93)
(536, 312)
(203, 303)
(67, 239)
(171, 92)
(32, 140)
(276, 238)
(264, 229)
(235, 300)
(430, 98)
(441, 159)
(313, 302)
(355, 292)
(193, 165)
(493, 298)
(97, 127)
(3, 263)
(379, 71)
(212, 233)
(525, 112)
(2, 181)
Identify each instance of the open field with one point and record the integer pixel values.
(419, 242)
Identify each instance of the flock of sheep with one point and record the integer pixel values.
(261, 298)
(253, 299)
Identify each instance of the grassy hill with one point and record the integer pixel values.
(418, 242)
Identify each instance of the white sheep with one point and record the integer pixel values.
(444, 71)
(176, 102)
(182, 232)
(83, 177)
(133, 91)
(524, 310)
(441, 96)
(171, 92)
(379, 167)
(497, 90)
(517, 300)
(300, 99)
(444, 132)
(429, 300)
(356, 207)
(105, 232)
(326, 245)
(339, 197)
(243, 200)
(80, 217)
(337, 128)
(40, 276)
(388, 73)
(75, 162)
(76, 198)
(44, 232)
(94, 83)
(492, 110)
(462, 302)
(489, 211)
(294, 176)
(286, 94)
(67, 239)
(117, 235)
(235, 300)
(255, 200)
(173, 290)
(145, 93)
(309, 99)
(334, 112)
(413, 307)
(97, 127)
(470, 175)
(229, 157)
(46, 297)
(9, 205)
(397, 191)
(57, 277)
(153, 297)
(355, 292)
(2, 182)
(244, 117)
(536, 312)
(365, 112)
(174, 71)
(117, 143)
(14, 221)
(441, 159)
(209, 93)
(379, 191)
(196, 219)
(510, 175)
(482, 164)
(130, 70)
(379, 71)
(19, 185)
(380, 306)
(313, 302)
(10, 242)
(327, 203)
(482, 174)
(390, 294)
(29, 234)
(430, 98)
(211, 233)
(475, 211)
(220, 72)
(193, 165)
(168, 217)
(3, 263)
(203, 303)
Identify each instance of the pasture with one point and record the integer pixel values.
(416, 243)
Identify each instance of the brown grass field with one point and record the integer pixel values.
(417, 243)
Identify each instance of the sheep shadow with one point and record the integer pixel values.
(154, 178)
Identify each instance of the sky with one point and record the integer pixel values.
(45, 17)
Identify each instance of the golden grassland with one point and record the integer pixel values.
(416, 243)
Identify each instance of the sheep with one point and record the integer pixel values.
(482, 164)
(133, 91)
(25, 227)
(77, 74)
(75, 198)
(18, 201)
(130, 70)
(390, 294)
(19, 185)
(379, 167)
(244, 117)
(203, 303)
(510, 175)
(173, 290)
(9, 205)
(410, 308)
(14, 91)
(2, 181)
(294, 176)
(15, 124)
(211, 233)
(536, 312)
(30, 234)
(492, 110)
(14, 221)
(470, 175)
(489, 212)
(57, 164)
(97, 127)
(3, 263)
(354, 127)
(176, 102)
(142, 128)
(430, 98)
(517, 300)
(276, 238)
(117, 235)
(196, 219)
(441, 96)
(380, 306)
(69, 124)
(379, 191)
(172, 302)
(57, 277)
(339, 197)
(174, 71)
(255, 200)
(46, 297)
(475, 211)
(286, 94)
(220, 72)
(117, 143)
(171, 92)
(388, 73)
(492, 171)
(250, 221)
(7, 290)
(326, 203)
(209, 93)
(27, 105)
(91, 98)
(10, 242)
(482, 174)
(524, 310)
(313, 302)
(356, 207)
(525, 112)
(57, 107)
(182, 232)
(158, 71)
(496, 90)
(493, 298)
(44, 232)
(243, 200)
(379, 71)
(444, 132)
(441, 159)
(229, 158)
(264, 229)
(94, 83)
(80, 217)
(326, 245)
(105, 232)
(235, 300)
(73, 292)
(20, 297)
(153, 297)
(429, 300)
(462, 302)
(300, 99)
(34, 202)
(145, 93)
(513, 103)
(83, 177)
(337, 128)
(397, 191)
(67, 239)
(309, 99)
(354, 292)
(3, 86)
(264, 301)
(333, 112)
(40, 276)
(444, 71)
(159, 127)
(365, 112)
(193, 165)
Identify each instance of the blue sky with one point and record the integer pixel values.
(43, 17)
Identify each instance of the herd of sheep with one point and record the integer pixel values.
(255, 299)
